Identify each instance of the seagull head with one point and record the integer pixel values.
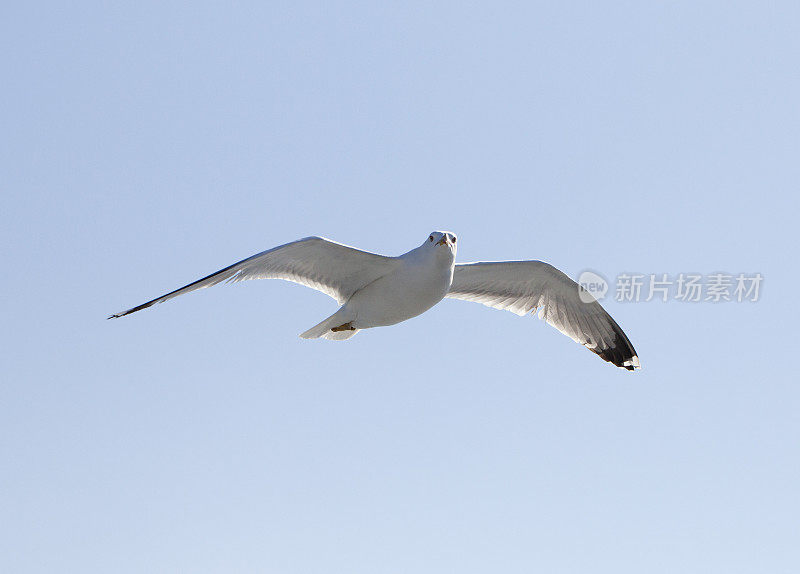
(442, 241)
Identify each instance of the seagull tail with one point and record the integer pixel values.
(323, 329)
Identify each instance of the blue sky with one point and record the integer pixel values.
(148, 145)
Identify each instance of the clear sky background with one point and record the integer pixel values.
(146, 145)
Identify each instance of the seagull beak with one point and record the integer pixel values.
(442, 241)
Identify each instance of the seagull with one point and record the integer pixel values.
(375, 291)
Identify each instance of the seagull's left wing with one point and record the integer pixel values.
(524, 286)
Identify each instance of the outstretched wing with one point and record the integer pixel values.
(335, 269)
(524, 286)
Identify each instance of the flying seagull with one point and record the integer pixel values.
(375, 291)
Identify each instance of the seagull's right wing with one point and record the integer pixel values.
(335, 269)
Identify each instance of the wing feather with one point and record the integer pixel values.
(524, 287)
(332, 268)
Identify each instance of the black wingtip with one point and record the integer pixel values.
(620, 354)
(133, 310)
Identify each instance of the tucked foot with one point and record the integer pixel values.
(345, 327)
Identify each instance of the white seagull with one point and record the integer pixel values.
(375, 291)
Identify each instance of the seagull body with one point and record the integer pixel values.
(376, 291)
(417, 281)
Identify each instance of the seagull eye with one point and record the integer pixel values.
(431, 237)
(454, 239)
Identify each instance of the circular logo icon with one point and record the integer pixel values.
(591, 286)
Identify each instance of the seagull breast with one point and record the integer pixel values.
(418, 283)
